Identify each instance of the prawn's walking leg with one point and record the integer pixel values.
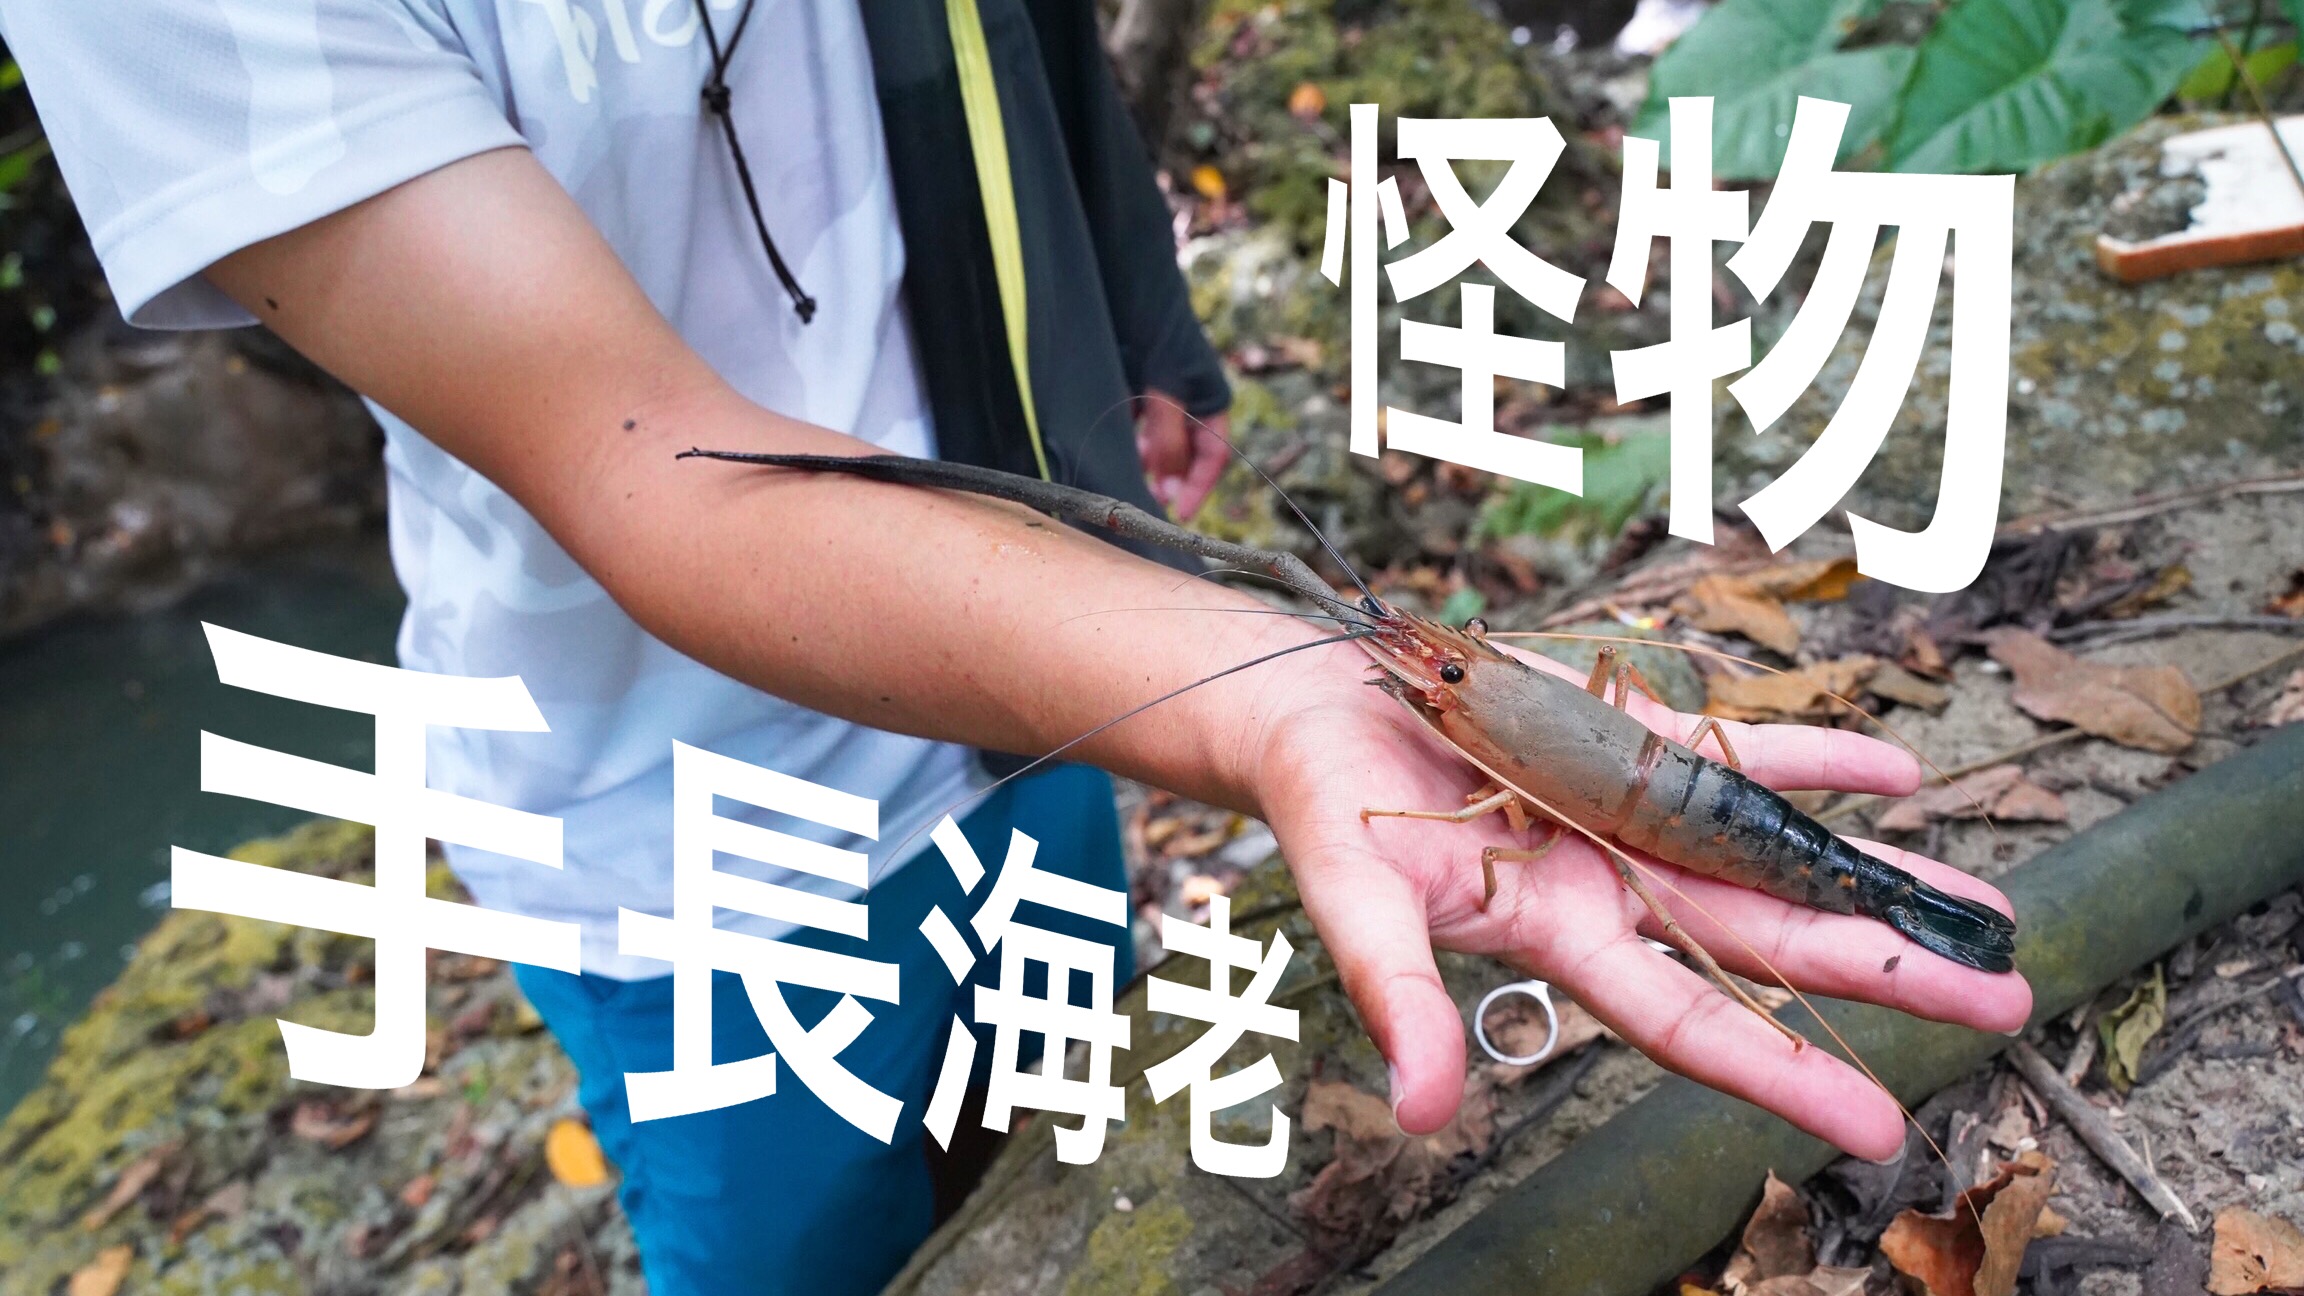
(1680, 939)
(1518, 854)
(1628, 678)
(1711, 725)
(1485, 801)
(1603, 666)
(1488, 800)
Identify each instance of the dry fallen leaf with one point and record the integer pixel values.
(1975, 1251)
(103, 1275)
(2287, 706)
(2152, 707)
(1731, 605)
(1897, 684)
(573, 1154)
(317, 1122)
(1823, 1280)
(1381, 1178)
(1516, 1025)
(2168, 582)
(1208, 182)
(2254, 1253)
(226, 1202)
(132, 1181)
(1803, 694)
(2290, 601)
(2001, 791)
(1752, 603)
(1775, 1244)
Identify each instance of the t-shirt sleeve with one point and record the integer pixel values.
(189, 129)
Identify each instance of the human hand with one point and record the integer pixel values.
(1183, 456)
(1384, 894)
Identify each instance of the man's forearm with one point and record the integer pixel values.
(922, 611)
(478, 304)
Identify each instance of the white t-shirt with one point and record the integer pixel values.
(188, 129)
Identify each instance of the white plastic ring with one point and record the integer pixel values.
(1539, 991)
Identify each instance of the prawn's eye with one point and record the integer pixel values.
(1451, 673)
(1477, 627)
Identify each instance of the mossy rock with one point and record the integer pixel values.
(2114, 388)
(253, 1182)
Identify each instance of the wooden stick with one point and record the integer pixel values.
(2073, 519)
(1849, 805)
(2104, 634)
(2263, 110)
(2097, 1132)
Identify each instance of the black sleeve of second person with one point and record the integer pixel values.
(1161, 342)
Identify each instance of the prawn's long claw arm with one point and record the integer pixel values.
(1069, 503)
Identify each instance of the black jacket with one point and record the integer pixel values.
(1108, 312)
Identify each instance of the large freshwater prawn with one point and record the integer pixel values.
(1551, 751)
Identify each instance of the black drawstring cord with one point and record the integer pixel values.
(716, 101)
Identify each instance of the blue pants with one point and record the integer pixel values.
(781, 1195)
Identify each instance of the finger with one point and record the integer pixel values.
(1676, 1017)
(1161, 442)
(1844, 956)
(1372, 922)
(1210, 454)
(1789, 757)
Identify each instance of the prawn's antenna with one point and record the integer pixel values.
(1942, 775)
(1626, 865)
(1285, 498)
(1054, 752)
(1807, 1005)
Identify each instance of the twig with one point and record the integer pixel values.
(2097, 1132)
(2180, 1036)
(2076, 519)
(2281, 658)
(1558, 1092)
(2083, 1054)
(2104, 634)
(2263, 110)
(2030, 745)
(1849, 805)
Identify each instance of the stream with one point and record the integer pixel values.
(100, 722)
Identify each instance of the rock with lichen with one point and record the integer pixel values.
(2114, 388)
(168, 1126)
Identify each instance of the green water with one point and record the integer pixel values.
(100, 724)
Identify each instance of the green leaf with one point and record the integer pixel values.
(1756, 58)
(1623, 474)
(14, 167)
(2004, 85)
(1462, 606)
(2212, 78)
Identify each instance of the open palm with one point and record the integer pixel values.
(1383, 894)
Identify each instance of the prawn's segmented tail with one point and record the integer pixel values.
(1964, 931)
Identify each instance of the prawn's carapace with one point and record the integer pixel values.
(1577, 757)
